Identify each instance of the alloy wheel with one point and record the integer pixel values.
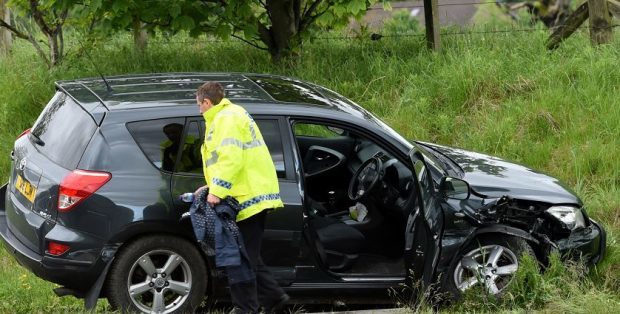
(490, 266)
(159, 282)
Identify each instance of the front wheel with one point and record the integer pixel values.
(157, 274)
(488, 262)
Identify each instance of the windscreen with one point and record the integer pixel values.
(64, 130)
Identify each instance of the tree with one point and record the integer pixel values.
(5, 35)
(280, 26)
(49, 16)
(276, 26)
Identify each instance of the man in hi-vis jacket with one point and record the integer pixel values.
(237, 163)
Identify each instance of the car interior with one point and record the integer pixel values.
(358, 198)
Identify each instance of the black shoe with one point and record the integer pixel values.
(278, 306)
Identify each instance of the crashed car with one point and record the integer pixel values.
(92, 199)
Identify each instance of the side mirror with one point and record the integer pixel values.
(454, 188)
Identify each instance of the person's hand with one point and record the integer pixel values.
(213, 200)
(200, 189)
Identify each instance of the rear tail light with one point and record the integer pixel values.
(26, 131)
(57, 249)
(79, 185)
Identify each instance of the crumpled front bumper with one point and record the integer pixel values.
(588, 243)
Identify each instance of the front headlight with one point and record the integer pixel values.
(569, 215)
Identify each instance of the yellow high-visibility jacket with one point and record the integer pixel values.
(236, 161)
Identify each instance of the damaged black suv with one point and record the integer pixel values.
(92, 199)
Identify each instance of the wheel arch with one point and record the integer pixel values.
(499, 229)
(484, 232)
(142, 229)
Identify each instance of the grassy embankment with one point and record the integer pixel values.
(501, 94)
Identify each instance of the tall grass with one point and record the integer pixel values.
(501, 94)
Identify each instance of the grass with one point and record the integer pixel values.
(501, 94)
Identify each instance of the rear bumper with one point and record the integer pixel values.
(74, 274)
(589, 244)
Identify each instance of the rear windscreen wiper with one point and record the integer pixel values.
(37, 140)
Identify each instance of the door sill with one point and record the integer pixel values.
(354, 278)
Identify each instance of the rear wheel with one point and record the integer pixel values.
(489, 263)
(157, 274)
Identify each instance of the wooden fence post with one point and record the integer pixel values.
(600, 22)
(6, 39)
(431, 19)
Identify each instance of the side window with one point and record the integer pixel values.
(191, 158)
(159, 140)
(270, 129)
(316, 130)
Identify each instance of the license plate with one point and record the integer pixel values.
(24, 187)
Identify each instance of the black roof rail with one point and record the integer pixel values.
(96, 96)
(101, 101)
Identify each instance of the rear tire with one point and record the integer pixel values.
(490, 262)
(161, 274)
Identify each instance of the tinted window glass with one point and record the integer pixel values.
(65, 129)
(271, 134)
(159, 140)
(191, 158)
(290, 91)
(316, 130)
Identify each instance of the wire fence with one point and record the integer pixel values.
(413, 6)
(378, 35)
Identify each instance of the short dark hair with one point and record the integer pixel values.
(213, 91)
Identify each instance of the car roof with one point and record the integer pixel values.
(262, 92)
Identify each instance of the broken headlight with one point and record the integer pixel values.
(570, 216)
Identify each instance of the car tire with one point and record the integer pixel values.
(490, 261)
(177, 281)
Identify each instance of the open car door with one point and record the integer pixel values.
(424, 226)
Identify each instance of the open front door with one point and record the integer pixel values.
(424, 227)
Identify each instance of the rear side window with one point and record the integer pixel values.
(159, 140)
(270, 130)
(65, 130)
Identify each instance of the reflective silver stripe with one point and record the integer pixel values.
(235, 142)
(252, 131)
(212, 160)
(238, 143)
(210, 135)
(255, 142)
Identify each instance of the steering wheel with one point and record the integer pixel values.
(365, 178)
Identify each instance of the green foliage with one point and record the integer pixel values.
(41, 21)
(401, 23)
(501, 94)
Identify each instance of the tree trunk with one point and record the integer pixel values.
(6, 39)
(140, 36)
(280, 37)
(55, 53)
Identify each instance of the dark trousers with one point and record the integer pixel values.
(264, 290)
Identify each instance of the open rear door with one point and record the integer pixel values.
(424, 227)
